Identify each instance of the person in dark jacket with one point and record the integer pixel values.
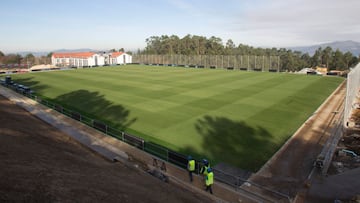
(205, 166)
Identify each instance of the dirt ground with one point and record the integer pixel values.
(41, 164)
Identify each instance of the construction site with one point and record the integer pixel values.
(50, 157)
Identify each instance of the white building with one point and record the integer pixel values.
(120, 58)
(89, 59)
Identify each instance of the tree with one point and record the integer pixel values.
(354, 60)
(316, 58)
(12, 59)
(214, 46)
(153, 45)
(47, 58)
(200, 44)
(121, 50)
(185, 44)
(43, 60)
(1, 56)
(306, 60)
(326, 56)
(229, 47)
(290, 60)
(347, 58)
(338, 61)
(29, 59)
(287, 61)
(175, 43)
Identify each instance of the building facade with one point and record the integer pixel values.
(119, 58)
(90, 59)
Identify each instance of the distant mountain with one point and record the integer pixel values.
(75, 50)
(37, 54)
(344, 46)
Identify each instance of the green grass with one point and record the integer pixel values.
(241, 118)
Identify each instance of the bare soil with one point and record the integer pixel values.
(41, 164)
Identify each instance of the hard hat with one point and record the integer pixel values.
(209, 170)
(205, 161)
(189, 157)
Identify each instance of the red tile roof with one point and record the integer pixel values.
(116, 54)
(73, 55)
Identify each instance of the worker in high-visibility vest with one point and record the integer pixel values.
(205, 166)
(209, 180)
(191, 167)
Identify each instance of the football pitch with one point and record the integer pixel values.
(237, 117)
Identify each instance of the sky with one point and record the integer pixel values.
(47, 25)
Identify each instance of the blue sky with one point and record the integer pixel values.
(46, 25)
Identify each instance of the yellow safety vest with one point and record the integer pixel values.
(209, 179)
(191, 165)
(204, 169)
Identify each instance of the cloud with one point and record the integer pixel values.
(299, 21)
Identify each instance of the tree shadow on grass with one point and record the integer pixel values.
(33, 84)
(94, 105)
(235, 142)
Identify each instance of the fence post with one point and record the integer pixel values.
(278, 63)
(248, 62)
(167, 155)
(263, 65)
(198, 167)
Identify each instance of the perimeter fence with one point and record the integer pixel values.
(231, 62)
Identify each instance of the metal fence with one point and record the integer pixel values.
(161, 152)
(239, 62)
(352, 91)
(158, 151)
(336, 130)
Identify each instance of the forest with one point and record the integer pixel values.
(289, 60)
